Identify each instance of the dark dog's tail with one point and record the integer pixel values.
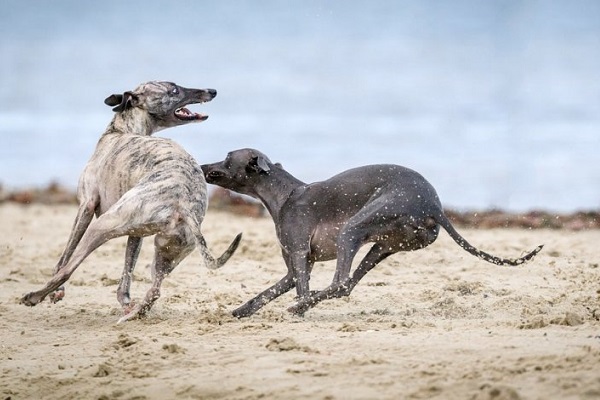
(211, 262)
(444, 222)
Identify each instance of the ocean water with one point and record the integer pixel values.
(497, 103)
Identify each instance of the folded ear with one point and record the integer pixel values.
(121, 101)
(113, 100)
(258, 164)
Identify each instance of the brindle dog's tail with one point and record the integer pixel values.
(443, 221)
(210, 261)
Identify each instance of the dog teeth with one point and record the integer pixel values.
(184, 111)
(185, 114)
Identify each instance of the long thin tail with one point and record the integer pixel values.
(462, 242)
(210, 261)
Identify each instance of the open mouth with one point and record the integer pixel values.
(184, 114)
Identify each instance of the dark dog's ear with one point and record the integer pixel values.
(258, 164)
(121, 101)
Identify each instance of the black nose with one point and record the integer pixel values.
(212, 92)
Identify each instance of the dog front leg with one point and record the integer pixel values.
(376, 254)
(300, 267)
(252, 306)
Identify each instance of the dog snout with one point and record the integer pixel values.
(199, 95)
(208, 94)
(213, 176)
(205, 169)
(211, 173)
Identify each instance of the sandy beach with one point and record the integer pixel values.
(436, 323)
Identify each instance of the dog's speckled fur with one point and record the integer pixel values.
(393, 207)
(138, 185)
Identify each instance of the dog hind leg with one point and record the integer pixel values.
(106, 227)
(85, 214)
(171, 247)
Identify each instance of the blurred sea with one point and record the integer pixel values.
(497, 103)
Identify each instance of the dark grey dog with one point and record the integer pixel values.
(138, 185)
(392, 206)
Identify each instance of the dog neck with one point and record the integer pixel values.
(285, 183)
(133, 121)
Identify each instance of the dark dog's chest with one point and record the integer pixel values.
(323, 241)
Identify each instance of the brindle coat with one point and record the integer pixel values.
(138, 185)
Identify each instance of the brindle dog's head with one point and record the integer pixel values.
(164, 101)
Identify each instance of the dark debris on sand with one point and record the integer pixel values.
(51, 194)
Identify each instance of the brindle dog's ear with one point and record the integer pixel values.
(113, 100)
(121, 101)
(258, 164)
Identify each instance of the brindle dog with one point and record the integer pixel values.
(138, 185)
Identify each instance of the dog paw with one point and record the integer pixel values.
(298, 309)
(131, 312)
(242, 312)
(31, 299)
(128, 307)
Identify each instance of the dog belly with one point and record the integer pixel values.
(407, 238)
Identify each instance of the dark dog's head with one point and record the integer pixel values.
(164, 102)
(241, 171)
